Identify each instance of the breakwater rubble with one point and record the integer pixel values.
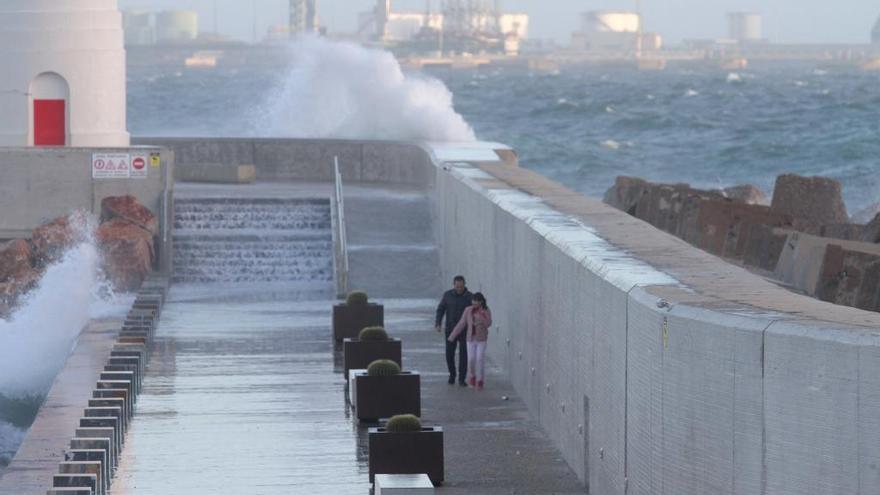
(803, 238)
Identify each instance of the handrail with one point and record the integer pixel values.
(341, 245)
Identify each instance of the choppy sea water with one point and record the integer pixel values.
(584, 126)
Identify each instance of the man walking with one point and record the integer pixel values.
(452, 306)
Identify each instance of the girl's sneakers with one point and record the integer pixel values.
(480, 385)
(472, 381)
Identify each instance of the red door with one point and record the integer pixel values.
(49, 123)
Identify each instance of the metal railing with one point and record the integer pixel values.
(340, 245)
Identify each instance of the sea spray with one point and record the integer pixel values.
(38, 337)
(343, 90)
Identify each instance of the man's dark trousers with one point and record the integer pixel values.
(461, 342)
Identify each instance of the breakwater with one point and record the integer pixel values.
(654, 367)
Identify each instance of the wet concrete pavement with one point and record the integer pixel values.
(245, 395)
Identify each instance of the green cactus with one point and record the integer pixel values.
(404, 423)
(357, 298)
(383, 367)
(373, 334)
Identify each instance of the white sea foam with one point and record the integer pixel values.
(692, 92)
(343, 90)
(36, 340)
(734, 77)
(610, 144)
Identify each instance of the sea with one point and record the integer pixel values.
(582, 126)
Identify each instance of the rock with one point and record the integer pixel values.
(127, 251)
(871, 231)
(626, 193)
(51, 240)
(17, 285)
(14, 257)
(817, 200)
(128, 208)
(747, 194)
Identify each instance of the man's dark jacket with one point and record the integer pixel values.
(453, 305)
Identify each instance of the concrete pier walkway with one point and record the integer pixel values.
(245, 395)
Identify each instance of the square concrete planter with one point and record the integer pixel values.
(378, 397)
(358, 354)
(407, 453)
(350, 319)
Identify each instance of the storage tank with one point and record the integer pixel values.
(745, 26)
(177, 25)
(610, 22)
(63, 77)
(138, 26)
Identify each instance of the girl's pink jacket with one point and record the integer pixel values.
(477, 323)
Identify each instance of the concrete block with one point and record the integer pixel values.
(133, 368)
(86, 467)
(113, 402)
(90, 449)
(402, 484)
(815, 199)
(120, 376)
(108, 433)
(105, 412)
(221, 173)
(89, 481)
(99, 455)
(69, 491)
(104, 422)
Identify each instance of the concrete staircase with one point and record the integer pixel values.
(229, 240)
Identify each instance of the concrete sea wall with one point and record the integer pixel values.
(306, 159)
(655, 367)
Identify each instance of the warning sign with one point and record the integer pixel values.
(139, 166)
(155, 160)
(111, 165)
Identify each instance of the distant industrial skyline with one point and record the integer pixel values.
(785, 21)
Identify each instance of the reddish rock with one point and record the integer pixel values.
(15, 256)
(128, 208)
(16, 286)
(52, 239)
(817, 200)
(127, 251)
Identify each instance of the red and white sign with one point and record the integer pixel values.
(139, 168)
(111, 165)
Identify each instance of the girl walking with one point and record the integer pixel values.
(476, 320)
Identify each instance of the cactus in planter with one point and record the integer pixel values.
(383, 367)
(404, 423)
(373, 334)
(357, 298)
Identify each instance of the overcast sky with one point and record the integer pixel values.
(822, 21)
